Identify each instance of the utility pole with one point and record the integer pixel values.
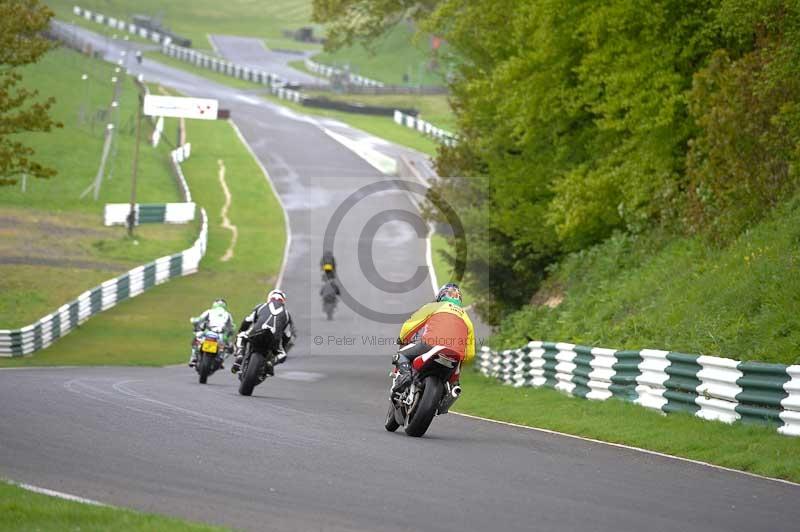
(132, 213)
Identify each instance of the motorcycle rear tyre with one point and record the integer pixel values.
(426, 409)
(251, 373)
(204, 367)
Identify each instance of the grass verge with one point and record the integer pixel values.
(196, 19)
(153, 328)
(396, 58)
(444, 272)
(24, 510)
(751, 448)
(53, 244)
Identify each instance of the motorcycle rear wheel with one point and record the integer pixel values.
(204, 367)
(251, 372)
(426, 409)
(391, 423)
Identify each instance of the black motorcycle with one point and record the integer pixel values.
(258, 362)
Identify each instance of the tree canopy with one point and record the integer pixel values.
(582, 118)
(21, 43)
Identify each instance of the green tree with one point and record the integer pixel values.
(21, 42)
(744, 160)
(349, 21)
(579, 119)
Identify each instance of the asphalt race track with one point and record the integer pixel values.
(308, 451)
(253, 53)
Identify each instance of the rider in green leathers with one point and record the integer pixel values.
(218, 319)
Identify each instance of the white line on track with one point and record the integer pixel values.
(383, 163)
(226, 223)
(428, 242)
(280, 201)
(213, 44)
(629, 447)
(59, 494)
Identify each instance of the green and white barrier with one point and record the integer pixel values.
(712, 388)
(19, 342)
(121, 25)
(177, 156)
(152, 213)
(426, 128)
(349, 77)
(221, 66)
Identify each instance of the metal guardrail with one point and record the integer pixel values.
(348, 77)
(121, 25)
(221, 66)
(711, 388)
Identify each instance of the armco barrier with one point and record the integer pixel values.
(712, 388)
(19, 342)
(348, 107)
(177, 156)
(221, 66)
(121, 25)
(413, 122)
(349, 77)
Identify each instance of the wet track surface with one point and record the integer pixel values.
(253, 53)
(308, 450)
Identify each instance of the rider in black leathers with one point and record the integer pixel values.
(269, 329)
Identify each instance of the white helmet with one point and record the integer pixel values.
(276, 295)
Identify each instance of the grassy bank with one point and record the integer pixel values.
(24, 510)
(444, 273)
(196, 19)
(755, 449)
(740, 301)
(153, 329)
(396, 58)
(75, 149)
(54, 245)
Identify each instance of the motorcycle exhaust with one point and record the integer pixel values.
(449, 399)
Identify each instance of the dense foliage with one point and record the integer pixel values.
(21, 43)
(684, 294)
(580, 119)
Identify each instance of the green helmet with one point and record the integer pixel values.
(450, 293)
(220, 303)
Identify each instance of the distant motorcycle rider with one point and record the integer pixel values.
(329, 291)
(217, 319)
(328, 265)
(269, 327)
(441, 323)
